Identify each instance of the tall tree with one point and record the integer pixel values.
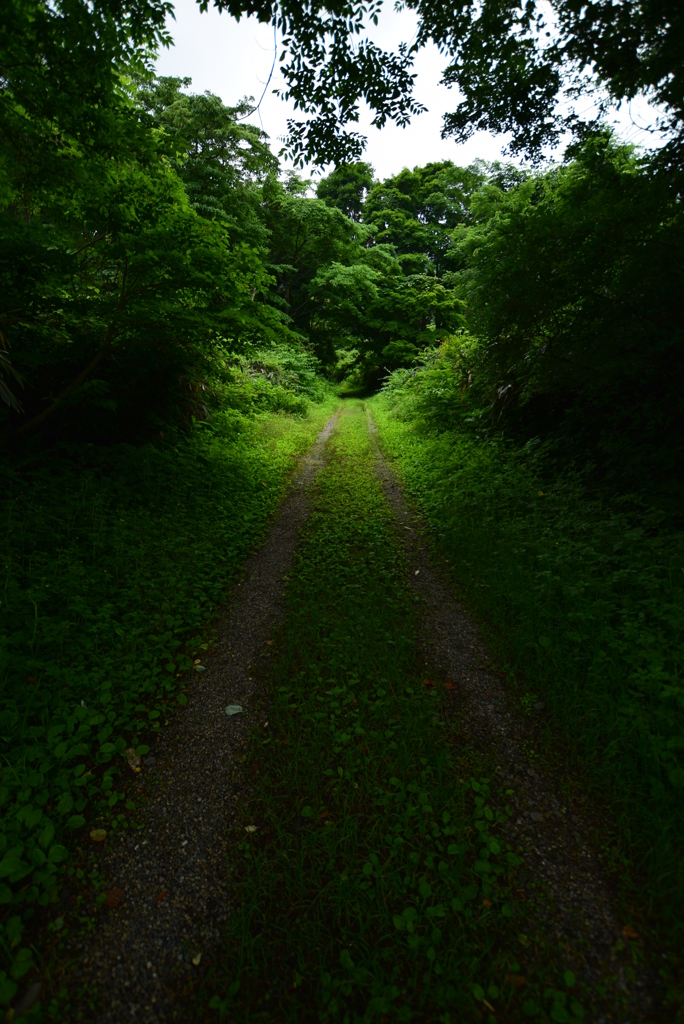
(346, 188)
(222, 160)
(416, 211)
(306, 235)
(572, 283)
(63, 103)
(105, 262)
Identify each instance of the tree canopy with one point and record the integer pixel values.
(519, 65)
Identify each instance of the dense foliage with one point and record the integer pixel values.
(571, 282)
(557, 292)
(519, 65)
(120, 281)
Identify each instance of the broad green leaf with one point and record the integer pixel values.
(9, 865)
(45, 837)
(8, 989)
(65, 804)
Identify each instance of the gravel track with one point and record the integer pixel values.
(148, 954)
(569, 899)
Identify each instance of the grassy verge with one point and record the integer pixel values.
(372, 877)
(586, 604)
(113, 561)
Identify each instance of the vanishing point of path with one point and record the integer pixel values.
(365, 840)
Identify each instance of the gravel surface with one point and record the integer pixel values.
(150, 950)
(569, 899)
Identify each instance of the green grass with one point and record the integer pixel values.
(113, 562)
(375, 885)
(585, 604)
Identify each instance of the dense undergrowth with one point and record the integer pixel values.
(113, 562)
(584, 597)
(373, 881)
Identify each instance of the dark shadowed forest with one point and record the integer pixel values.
(180, 316)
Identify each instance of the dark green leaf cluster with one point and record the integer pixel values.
(519, 65)
(221, 161)
(390, 294)
(133, 250)
(323, 61)
(346, 188)
(571, 283)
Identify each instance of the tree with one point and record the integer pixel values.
(572, 283)
(387, 316)
(131, 274)
(62, 103)
(346, 188)
(516, 64)
(107, 267)
(416, 211)
(222, 161)
(61, 61)
(306, 235)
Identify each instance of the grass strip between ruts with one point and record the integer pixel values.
(373, 879)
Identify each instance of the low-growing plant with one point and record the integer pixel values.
(113, 562)
(585, 601)
(373, 877)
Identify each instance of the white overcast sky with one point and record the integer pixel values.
(233, 59)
